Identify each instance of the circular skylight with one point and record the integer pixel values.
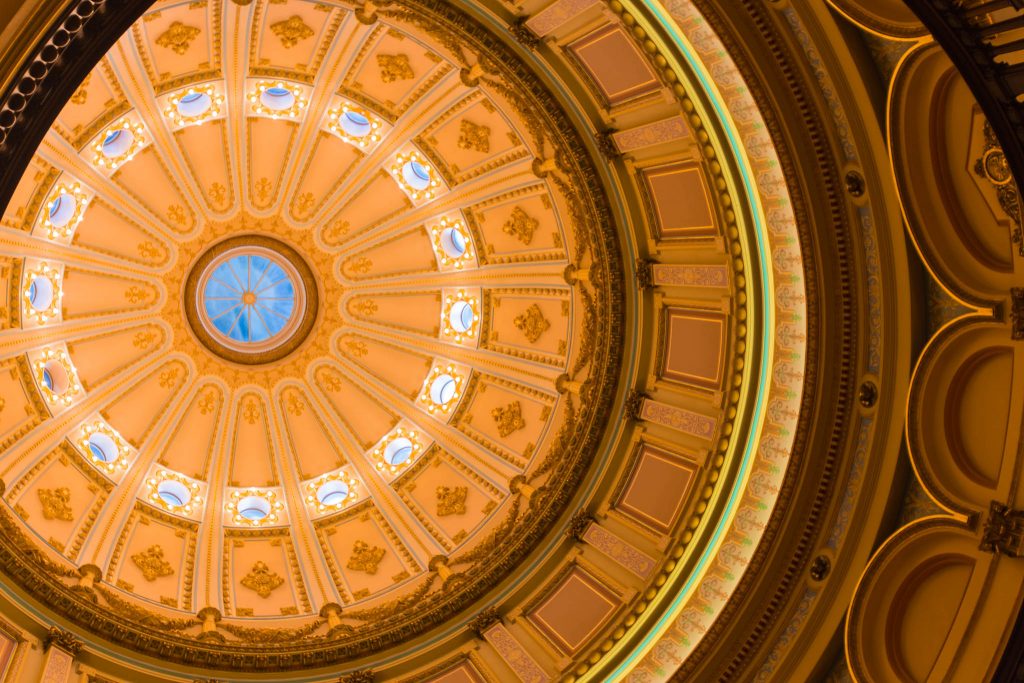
(332, 492)
(461, 316)
(453, 242)
(117, 143)
(398, 451)
(194, 104)
(277, 98)
(173, 493)
(102, 447)
(250, 298)
(442, 389)
(62, 210)
(40, 293)
(355, 124)
(416, 175)
(254, 508)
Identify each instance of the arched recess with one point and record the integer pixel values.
(960, 432)
(954, 183)
(891, 18)
(931, 606)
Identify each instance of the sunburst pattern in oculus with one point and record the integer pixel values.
(249, 298)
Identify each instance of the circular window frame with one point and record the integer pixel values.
(277, 347)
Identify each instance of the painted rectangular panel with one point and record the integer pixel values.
(680, 201)
(657, 489)
(611, 59)
(694, 350)
(575, 610)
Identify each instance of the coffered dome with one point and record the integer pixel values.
(432, 340)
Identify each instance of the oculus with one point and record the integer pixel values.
(251, 299)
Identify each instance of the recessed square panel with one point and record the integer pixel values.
(575, 610)
(680, 203)
(657, 488)
(614, 64)
(694, 350)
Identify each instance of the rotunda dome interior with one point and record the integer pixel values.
(506, 340)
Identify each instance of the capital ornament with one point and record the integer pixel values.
(152, 563)
(62, 639)
(262, 580)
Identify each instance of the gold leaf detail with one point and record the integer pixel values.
(136, 294)
(475, 137)
(152, 563)
(451, 501)
(218, 193)
(295, 404)
(178, 37)
(263, 188)
(176, 212)
(395, 68)
(361, 265)
(305, 202)
(291, 31)
(365, 557)
(168, 378)
(56, 503)
(148, 250)
(509, 419)
(532, 323)
(252, 411)
(207, 402)
(366, 306)
(357, 348)
(143, 340)
(261, 580)
(520, 225)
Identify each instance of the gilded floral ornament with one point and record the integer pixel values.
(143, 340)
(509, 419)
(451, 500)
(365, 557)
(152, 564)
(993, 167)
(261, 579)
(474, 137)
(178, 37)
(56, 503)
(395, 68)
(82, 93)
(532, 323)
(251, 413)
(520, 225)
(292, 31)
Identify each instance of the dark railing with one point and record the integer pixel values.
(985, 40)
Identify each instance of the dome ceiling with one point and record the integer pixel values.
(403, 338)
(307, 318)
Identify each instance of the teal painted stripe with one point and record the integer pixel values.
(697, 69)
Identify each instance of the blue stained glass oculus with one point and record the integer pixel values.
(249, 298)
